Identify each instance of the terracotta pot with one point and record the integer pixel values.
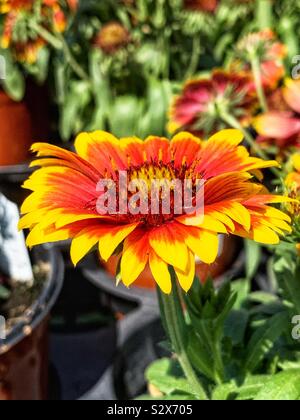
(227, 254)
(21, 123)
(24, 352)
(24, 368)
(15, 131)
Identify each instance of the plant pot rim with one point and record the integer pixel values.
(38, 311)
(15, 172)
(100, 278)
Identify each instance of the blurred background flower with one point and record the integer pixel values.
(112, 37)
(264, 47)
(281, 125)
(204, 104)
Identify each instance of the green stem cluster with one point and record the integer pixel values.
(59, 43)
(172, 311)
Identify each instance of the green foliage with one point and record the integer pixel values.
(253, 258)
(263, 340)
(166, 375)
(283, 386)
(240, 341)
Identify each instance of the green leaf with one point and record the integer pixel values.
(125, 114)
(101, 90)
(241, 288)
(74, 105)
(288, 365)
(166, 375)
(183, 397)
(220, 320)
(283, 386)
(60, 78)
(156, 106)
(235, 326)
(223, 392)
(288, 279)
(247, 391)
(253, 258)
(200, 355)
(263, 340)
(42, 65)
(263, 298)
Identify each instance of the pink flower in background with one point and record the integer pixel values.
(281, 125)
(199, 107)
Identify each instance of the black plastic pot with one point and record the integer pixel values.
(24, 352)
(139, 336)
(83, 338)
(11, 179)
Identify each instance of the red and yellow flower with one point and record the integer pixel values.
(28, 52)
(15, 5)
(281, 125)
(64, 196)
(200, 106)
(26, 49)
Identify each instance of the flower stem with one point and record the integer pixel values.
(172, 312)
(264, 14)
(255, 64)
(81, 73)
(234, 123)
(194, 58)
(59, 43)
(46, 35)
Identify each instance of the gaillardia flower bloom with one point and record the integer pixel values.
(24, 42)
(112, 37)
(66, 193)
(203, 102)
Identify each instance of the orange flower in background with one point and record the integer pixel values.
(270, 53)
(281, 125)
(199, 107)
(65, 193)
(28, 52)
(112, 37)
(292, 182)
(8, 30)
(59, 19)
(17, 13)
(293, 179)
(201, 5)
(13, 5)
